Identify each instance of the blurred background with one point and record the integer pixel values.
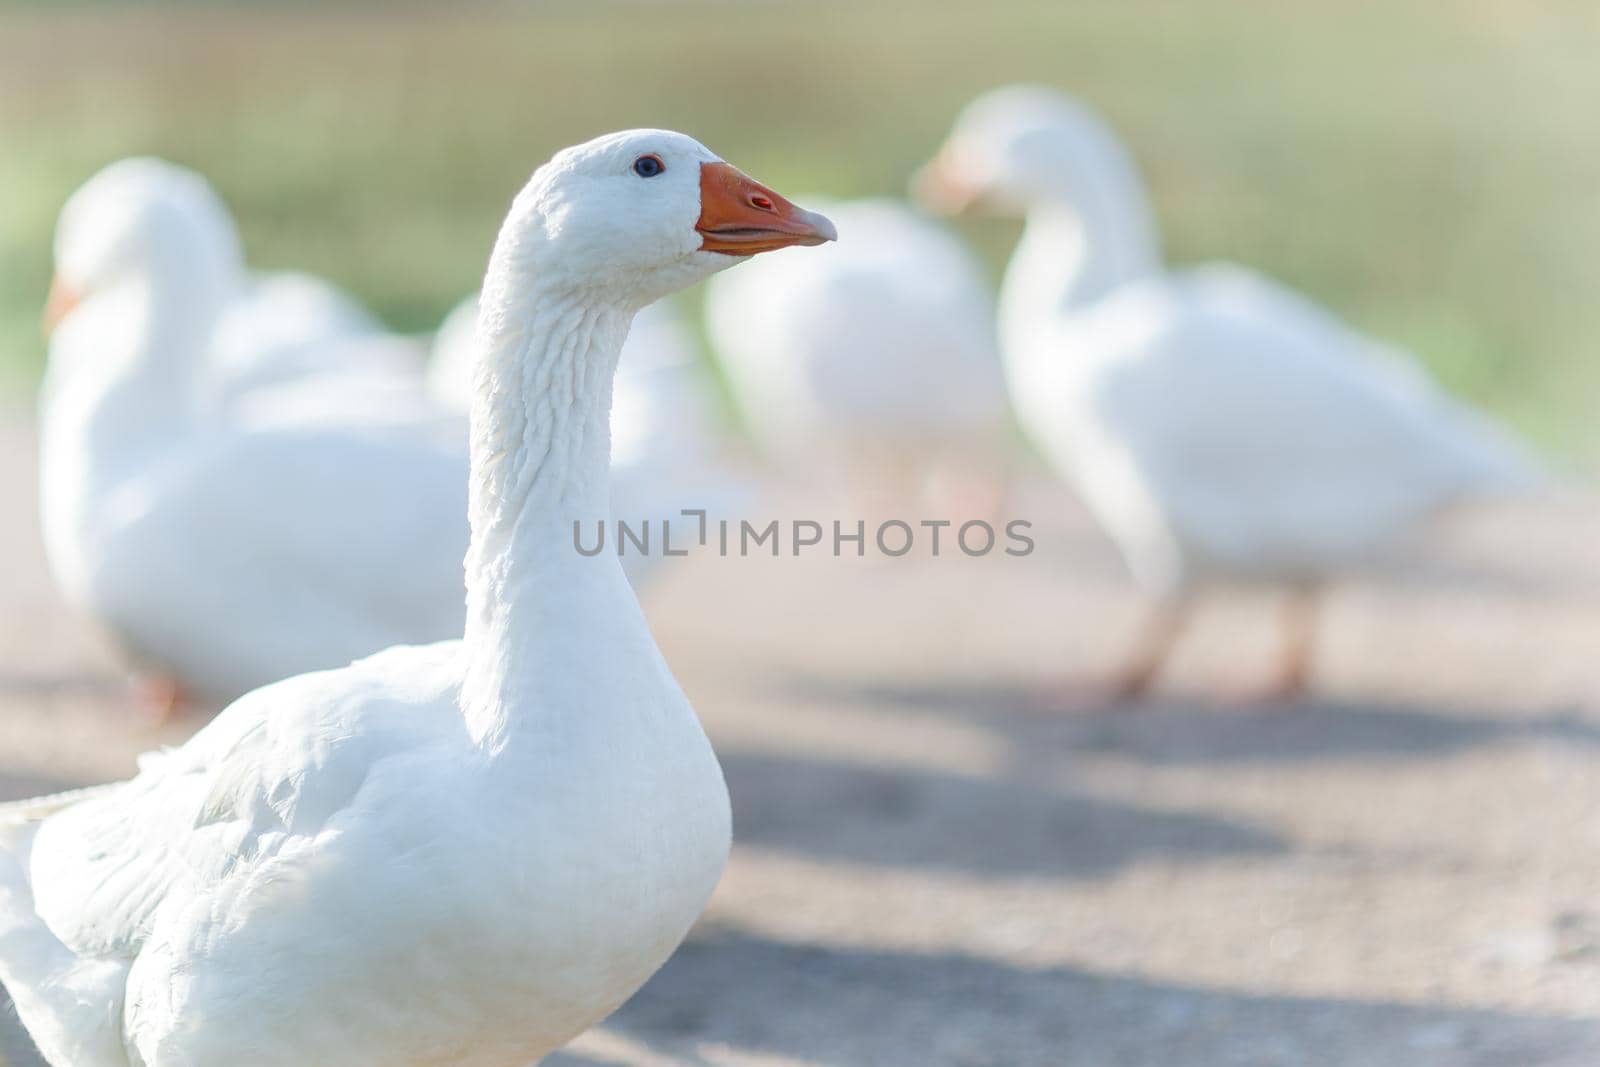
(1429, 168)
(930, 868)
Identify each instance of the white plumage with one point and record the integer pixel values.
(1215, 422)
(286, 327)
(666, 444)
(458, 854)
(1262, 437)
(231, 534)
(882, 344)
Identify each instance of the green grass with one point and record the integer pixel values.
(1429, 169)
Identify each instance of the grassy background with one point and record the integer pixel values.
(1430, 168)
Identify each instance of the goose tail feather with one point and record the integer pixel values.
(70, 1006)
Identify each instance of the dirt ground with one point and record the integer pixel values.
(934, 867)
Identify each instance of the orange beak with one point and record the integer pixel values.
(740, 217)
(58, 305)
(938, 190)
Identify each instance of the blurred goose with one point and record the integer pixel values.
(1215, 422)
(819, 350)
(228, 543)
(465, 853)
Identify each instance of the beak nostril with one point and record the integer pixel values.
(741, 218)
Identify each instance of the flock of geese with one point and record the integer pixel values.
(480, 839)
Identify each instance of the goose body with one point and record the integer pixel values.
(1218, 424)
(456, 854)
(305, 881)
(225, 535)
(820, 349)
(1221, 428)
(287, 327)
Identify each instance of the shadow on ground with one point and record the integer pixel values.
(923, 820)
(849, 1007)
(1169, 731)
(747, 999)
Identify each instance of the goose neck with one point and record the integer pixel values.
(540, 428)
(125, 367)
(1082, 240)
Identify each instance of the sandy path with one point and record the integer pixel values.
(932, 869)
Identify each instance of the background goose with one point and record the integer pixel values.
(228, 545)
(878, 353)
(465, 853)
(1216, 423)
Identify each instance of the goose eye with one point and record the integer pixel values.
(648, 166)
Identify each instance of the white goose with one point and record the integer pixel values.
(1215, 422)
(231, 542)
(459, 854)
(819, 348)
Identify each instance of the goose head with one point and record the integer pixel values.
(1013, 148)
(638, 214)
(139, 219)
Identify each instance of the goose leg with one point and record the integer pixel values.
(159, 698)
(1158, 636)
(1159, 632)
(972, 487)
(1301, 611)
